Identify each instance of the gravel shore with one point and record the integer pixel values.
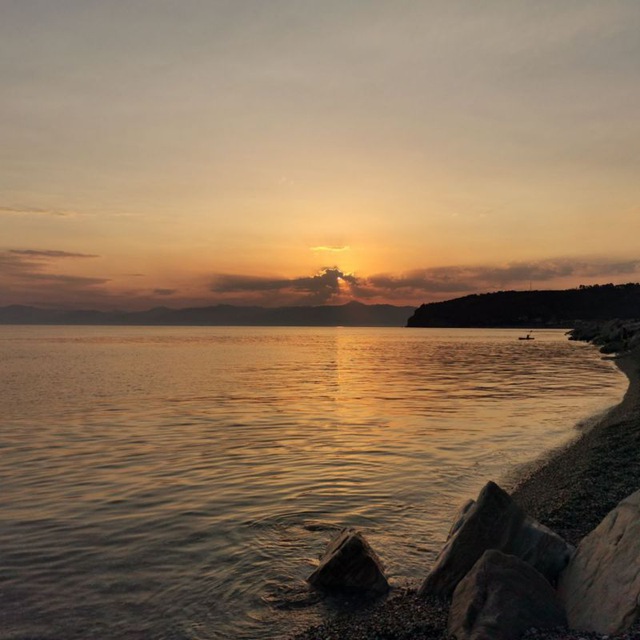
(571, 492)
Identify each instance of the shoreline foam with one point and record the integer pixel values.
(571, 490)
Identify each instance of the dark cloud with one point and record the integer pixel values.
(459, 280)
(25, 276)
(545, 270)
(316, 289)
(428, 280)
(25, 265)
(419, 284)
(233, 283)
(609, 269)
(17, 265)
(32, 276)
(550, 269)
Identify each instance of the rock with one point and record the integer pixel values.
(495, 521)
(500, 598)
(586, 331)
(488, 523)
(542, 548)
(613, 336)
(634, 340)
(349, 563)
(600, 587)
(460, 518)
(614, 346)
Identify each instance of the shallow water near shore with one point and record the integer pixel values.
(163, 482)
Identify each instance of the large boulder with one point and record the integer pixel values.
(542, 548)
(500, 598)
(495, 521)
(349, 563)
(601, 586)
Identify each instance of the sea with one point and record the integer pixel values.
(181, 482)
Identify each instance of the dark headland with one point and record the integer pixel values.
(570, 492)
(532, 309)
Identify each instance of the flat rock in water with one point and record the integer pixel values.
(495, 521)
(601, 586)
(350, 563)
(500, 598)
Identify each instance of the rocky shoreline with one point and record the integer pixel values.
(570, 493)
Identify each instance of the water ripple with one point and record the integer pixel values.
(182, 482)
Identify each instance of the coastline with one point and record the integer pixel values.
(571, 490)
(578, 485)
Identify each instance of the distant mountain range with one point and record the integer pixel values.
(353, 314)
(501, 309)
(532, 308)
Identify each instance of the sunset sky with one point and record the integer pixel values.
(191, 152)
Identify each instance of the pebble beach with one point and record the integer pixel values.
(570, 491)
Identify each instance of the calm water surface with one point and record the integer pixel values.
(180, 482)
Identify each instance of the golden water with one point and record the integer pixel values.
(179, 482)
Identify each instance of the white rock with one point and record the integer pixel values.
(600, 587)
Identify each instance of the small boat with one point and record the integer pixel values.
(527, 337)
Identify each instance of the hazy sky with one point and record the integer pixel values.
(286, 151)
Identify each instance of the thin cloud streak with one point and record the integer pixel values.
(65, 279)
(331, 249)
(49, 253)
(37, 211)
